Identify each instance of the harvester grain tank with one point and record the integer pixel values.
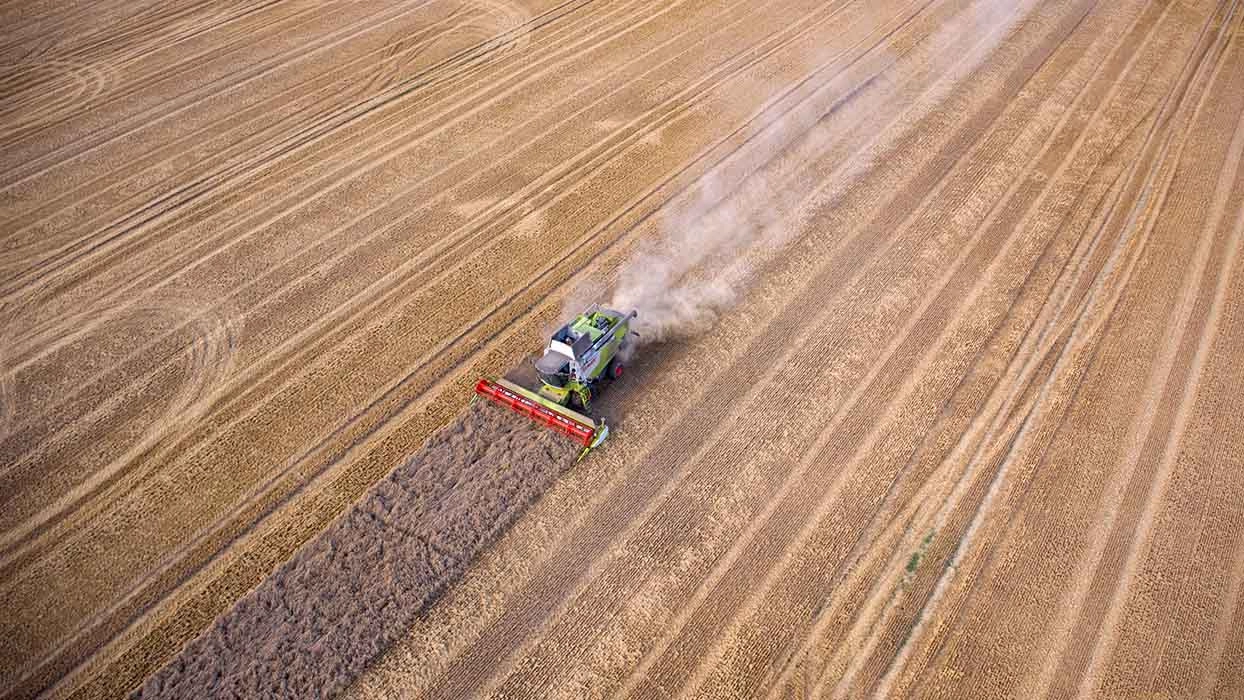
(580, 358)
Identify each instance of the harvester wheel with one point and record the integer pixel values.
(615, 370)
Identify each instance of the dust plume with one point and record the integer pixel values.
(703, 261)
(747, 207)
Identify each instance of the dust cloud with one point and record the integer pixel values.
(742, 211)
(682, 283)
(747, 206)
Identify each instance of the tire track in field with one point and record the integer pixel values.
(1197, 607)
(68, 258)
(1152, 468)
(159, 367)
(484, 19)
(1212, 678)
(1118, 286)
(341, 177)
(149, 36)
(128, 58)
(51, 27)
(834, 108)
(1041, 332)
(236, 159)
(33, 166)
(33, 94)
(1001, 220)
(1228, 673)
(640, 671)
(122, 38)
(402, 52)
(197, 60)
(205, 358)
(284, 95)
(101, 224)
(752, 564)
(922, 471)
(48, 24)
(7, 407)
(118, 47)
(1112, 290)
(923, 466)
(1047, 678)
(135, 86)
(120, 60)
(641, 198)
(920, 511)
(200, 359)
(187, 262)
(20, 82)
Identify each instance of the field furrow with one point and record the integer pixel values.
(938, 304)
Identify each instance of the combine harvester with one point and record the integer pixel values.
(580, 356)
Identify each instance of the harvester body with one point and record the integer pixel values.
(580, 356)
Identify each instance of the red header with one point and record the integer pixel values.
(575, 430)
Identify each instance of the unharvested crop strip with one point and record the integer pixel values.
(834, 616)
(723, 562)
(996, 221)
(1044, 333)
(835, 108)
(1153, 474)
(1218, 658)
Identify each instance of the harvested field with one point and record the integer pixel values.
(948, 296)
(311, 627)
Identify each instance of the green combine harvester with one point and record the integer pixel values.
(580, 356)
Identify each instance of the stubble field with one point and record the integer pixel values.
(945, 403)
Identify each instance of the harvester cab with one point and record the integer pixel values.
(580, 354)
(579, 357)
